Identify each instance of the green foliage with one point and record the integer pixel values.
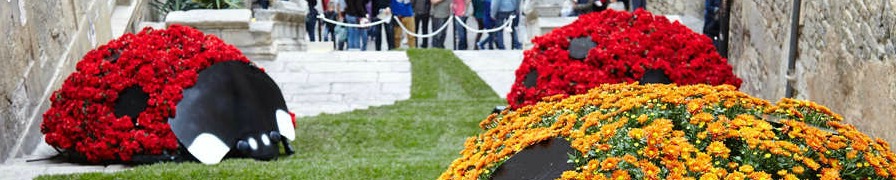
(220, 4)
(163, 7)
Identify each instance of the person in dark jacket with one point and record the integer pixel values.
(380, 9)
(421, 20)
(311, 20)
(356, 13)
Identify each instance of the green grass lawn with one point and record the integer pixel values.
(412, 139)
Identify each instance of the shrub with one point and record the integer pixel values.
(666, 131)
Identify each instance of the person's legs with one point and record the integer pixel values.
(377, 35)
(422, 21)
(460, 34)
(310, 26)
(479, 35)
(409, 23)
(363, 38)
(500, 19)
(438, 41)
(353, 33)
(639, 4)
(398, 33)
(387, 28)
(514, 34)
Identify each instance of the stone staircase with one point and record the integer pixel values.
(126, 15)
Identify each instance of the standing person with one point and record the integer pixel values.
(590, 6)
(639, 4)
(311, 22)
(501, 10)
(514, 28)
(382, 9)
(711, 21)
(487, 23)
(479, 13)
(459, 7)
(441, 10)
(356, 13)
(421, 20)
(404, 10)
(330, 13)
(340, 33)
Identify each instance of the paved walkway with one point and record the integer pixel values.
(496, 68)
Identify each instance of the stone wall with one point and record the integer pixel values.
(43, 40)
(759, 32)
(847, 61)
(692, 8)
(845, 58)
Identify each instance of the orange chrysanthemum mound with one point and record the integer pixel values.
(669, 131)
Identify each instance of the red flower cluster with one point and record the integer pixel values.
(627, 45)
(161, 62)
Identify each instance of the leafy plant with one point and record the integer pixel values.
(220, 4)
(162, 7)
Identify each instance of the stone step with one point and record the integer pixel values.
(121, 15)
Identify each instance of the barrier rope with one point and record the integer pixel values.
(431, 34)
(505, 26)
(322, 17)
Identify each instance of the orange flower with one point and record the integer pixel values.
(717, 148)
(621, 175)
(830, 174)
(736, 176)
(610, 107)
(609, 163)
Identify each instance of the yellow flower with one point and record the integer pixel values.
(798, 169)
(746, 168)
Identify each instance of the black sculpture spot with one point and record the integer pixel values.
(131, 102)
(655, 76)
(545, 160)
(579, 47)
(531, 79)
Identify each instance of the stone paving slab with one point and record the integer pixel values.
(496, 68)
(19, 168)
(340, 81)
